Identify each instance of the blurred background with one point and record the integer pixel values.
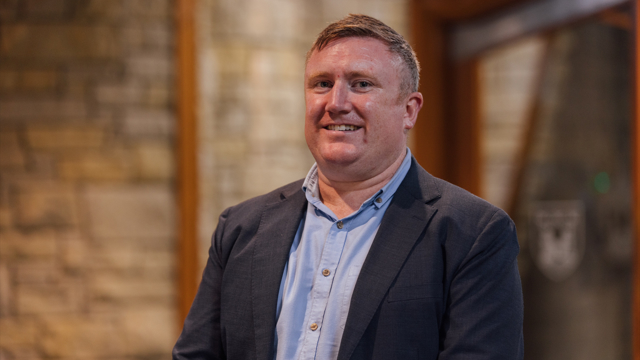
(128, 126)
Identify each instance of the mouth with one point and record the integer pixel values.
(342, 127)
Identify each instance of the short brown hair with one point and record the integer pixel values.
(358, 25)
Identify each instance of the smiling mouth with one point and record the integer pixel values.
(342, 127)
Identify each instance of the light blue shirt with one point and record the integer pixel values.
(320, 275)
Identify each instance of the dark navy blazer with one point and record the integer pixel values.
(440, 280)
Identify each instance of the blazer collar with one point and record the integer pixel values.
(406, 218)
(278, 225)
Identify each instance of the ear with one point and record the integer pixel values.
(413, 104)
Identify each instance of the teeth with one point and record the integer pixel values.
(343, 127)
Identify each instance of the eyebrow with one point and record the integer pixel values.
(317, 75)
(353, 74)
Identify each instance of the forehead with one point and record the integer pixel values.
(352, 54)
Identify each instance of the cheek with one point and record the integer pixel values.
(314, 107)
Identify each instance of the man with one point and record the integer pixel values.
(369, 257)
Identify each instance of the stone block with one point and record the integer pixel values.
(82, 337)
(46, 204)
(6, 293)
(18, 246)
(38, 272)
(74, 252)
(157, 66)
(9, 80)
(155, 161)
(39, 80)
(120, 94)
(44, 137)
(131, 211)
(158, 36)
(11, 155)
(105, 10)
(276, 118)
(151, 330)
(8, 9)
(23, 109)
(229, 151)
(132, 261)
(41, 165)
(22, 353)
(158, 94)
(18, 333)
(233, 58)
(112, 166)
(124, 289)
(59, 42)
(154, 9)
(232, 116)
(45, 9)
(12, 81)
(149, 123)
(66, 296)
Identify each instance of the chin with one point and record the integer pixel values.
(336, 157)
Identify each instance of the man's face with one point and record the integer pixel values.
(356, 122)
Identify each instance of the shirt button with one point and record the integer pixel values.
(339, 224)
(326, 272)
(313, 327)
(379, 200)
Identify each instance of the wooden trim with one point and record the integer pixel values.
(616, 17)
(446, 135)
(466, 149)
(473, 37)
(429, 133)
(636, 180)
(187, 177)
(464, 9)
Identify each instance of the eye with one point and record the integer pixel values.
(363, 84)
(323, 84)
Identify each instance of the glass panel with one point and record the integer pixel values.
(573, 203)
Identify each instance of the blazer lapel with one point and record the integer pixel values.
(274, 237)
(402, 224)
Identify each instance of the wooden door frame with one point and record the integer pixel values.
(186, 158)
(446, 138)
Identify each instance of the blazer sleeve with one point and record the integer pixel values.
(485, 314)
(201, 334)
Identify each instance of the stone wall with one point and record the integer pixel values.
(87, 212)
(252, 55)
(87, 209)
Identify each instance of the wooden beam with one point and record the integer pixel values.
(466, 128)
(447, 134)
(187, 177)
(636, 181)
(477, 35)
(616, 17)
(429, 133)
(464, 9)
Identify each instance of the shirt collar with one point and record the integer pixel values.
(312, 192)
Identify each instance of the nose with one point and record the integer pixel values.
(339, 102)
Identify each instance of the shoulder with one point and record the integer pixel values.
(242, 221)
(456, 208)
(459, 203)
(250, 210)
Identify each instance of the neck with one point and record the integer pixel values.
(346, 197)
